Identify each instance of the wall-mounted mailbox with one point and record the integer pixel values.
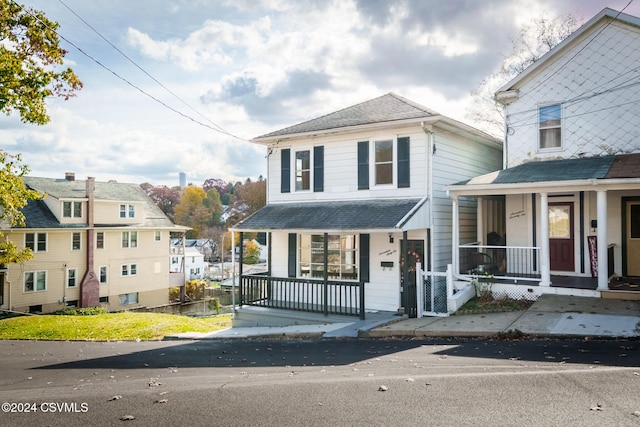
(386, 264)
(594, 223)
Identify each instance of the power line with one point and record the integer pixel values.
(216, 129)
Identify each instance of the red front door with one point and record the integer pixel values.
(561, 240)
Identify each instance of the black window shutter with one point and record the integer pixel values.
(364, 257)
(363, 165)
(318, 168)
(293, 249)
(403, 163)
(285, 171)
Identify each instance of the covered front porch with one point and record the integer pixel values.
(336, 258)
(534, 236)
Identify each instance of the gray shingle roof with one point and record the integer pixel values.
(349, 215)
(556, 170)
(38, 215)
(386, 108)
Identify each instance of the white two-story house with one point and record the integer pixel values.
(563, 216)
(94, 244)
(355, 200)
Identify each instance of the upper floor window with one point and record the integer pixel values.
(129, 239)
(35, 281)
(303, 170)
(100, 240)
(308, 167)
(157, 236)
(104, 274)
(72, 209)
(76, 239)
(388, 165)
(384, 162)
(129, 269)
(550, 122)
(37, 242)
(127, 211)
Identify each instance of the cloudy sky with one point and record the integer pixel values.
(182, 85)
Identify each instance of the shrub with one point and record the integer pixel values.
(85, 311)
(194, 289)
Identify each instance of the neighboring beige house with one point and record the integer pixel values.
(94, 243)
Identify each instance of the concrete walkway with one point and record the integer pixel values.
(550, 315)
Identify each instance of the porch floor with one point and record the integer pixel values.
(589, 283)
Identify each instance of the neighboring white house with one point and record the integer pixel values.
(192, 262)
(564, 213)
(353, 194)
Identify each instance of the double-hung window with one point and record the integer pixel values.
(76, 241)
(303, 170)
(35, 281)
(550, 125)
(127, 211)
(72, 277)
(129, 269)
(104, 274)
(100, 240)
(129, 239)
(37, 242)
(72, 209)
(383, 162)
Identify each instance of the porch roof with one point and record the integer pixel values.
(589, 171)
(369, 215)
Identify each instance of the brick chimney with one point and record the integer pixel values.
(90, 285)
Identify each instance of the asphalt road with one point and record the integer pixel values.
(348, 382)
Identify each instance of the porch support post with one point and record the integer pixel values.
(603, 273)
(455, 231)
(404, 248)
(480, 233)
(325, 275)
(545, 266)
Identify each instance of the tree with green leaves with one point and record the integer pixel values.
(30, 52)
(14, 196)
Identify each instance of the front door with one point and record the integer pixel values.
(408, 285)
(633, 238)
(561, 239)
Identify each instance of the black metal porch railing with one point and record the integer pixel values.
(315, 296)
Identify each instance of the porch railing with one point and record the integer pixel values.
(315, 296)
(502, 262)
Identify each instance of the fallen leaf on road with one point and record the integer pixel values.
(115, 398)
(127, 418)
(383, 388)
(598, 407)
(162, 401)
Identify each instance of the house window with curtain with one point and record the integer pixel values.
(550, 124)
(303, 170)
(342, 256)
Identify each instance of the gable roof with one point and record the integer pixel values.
(555, 53)
(38, 215)
(384, 109)
(384, 214)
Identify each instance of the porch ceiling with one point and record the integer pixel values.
(371, 215)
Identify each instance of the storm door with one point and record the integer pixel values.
(633, 239)
(561, 239)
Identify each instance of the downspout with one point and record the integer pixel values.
(431, 153)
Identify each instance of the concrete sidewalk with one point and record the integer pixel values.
(550, 315)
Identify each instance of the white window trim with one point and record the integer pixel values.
(128, 208)
(73, 233)
(129, 239)
(299, 255)
(129, 273)
(372, 162)
(550, 149)
(35, 241)
(69, 270)
(157, 236)
(35, 272)
(100, 274)
(104, 240)
(73, 211)
(294, 170)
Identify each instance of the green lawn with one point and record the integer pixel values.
(123, 326)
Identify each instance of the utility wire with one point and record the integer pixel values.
(216, 129)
